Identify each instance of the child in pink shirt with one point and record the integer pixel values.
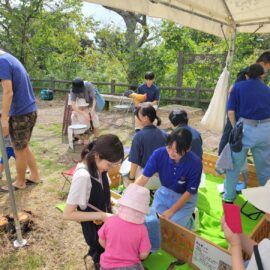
(124, 236)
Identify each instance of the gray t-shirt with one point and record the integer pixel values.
(88, 94)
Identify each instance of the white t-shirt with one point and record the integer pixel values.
(80, 188)
(264, 250)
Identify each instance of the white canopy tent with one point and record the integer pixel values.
(217, 17)
(222, 18)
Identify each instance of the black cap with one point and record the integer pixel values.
(78, 85)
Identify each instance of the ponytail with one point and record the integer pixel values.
(158, 121)
(149, 111)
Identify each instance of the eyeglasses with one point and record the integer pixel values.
(112, 165)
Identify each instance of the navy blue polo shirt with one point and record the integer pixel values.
(181, 176)
(144, 143)
(152, 92)
(196, 144)
(250, 99)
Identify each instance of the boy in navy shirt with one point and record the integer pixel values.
(179, 118)
(150, 89)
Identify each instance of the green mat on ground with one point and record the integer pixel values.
(160, 260)
(211, 211)
(60, 206)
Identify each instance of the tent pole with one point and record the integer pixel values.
(19, 242)
(229, 61)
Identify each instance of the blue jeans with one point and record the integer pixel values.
(257, 139)
(164, 198)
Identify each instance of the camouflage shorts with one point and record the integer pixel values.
(20, 129)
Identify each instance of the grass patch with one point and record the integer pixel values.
(54, 127)
(30, 261)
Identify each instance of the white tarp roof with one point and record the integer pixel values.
(210, 16)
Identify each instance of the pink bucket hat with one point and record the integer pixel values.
(130, 215)
(136, 197)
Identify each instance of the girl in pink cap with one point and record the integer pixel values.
(124, 236)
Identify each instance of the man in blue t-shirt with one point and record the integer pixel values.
(19, 114)
(264, 61)
(251, 100)
(179, 172)
(179, 118)
(150, 89)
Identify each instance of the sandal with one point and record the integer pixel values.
(30, 182)
(3, 189)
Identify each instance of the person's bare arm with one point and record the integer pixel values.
(93, 110)
(231, 116)
(133, 169)
(155, 102)
(77, 110)
(71, 213)
(247, 244)
(6, 104)
(236, 249)
(141, 180)
(144, 255)
(102, 242)
(178, 205)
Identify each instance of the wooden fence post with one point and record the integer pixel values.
(197, 96)
(112, 87)
(52, 83)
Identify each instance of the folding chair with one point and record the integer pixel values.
(125, 106)
(67, 176)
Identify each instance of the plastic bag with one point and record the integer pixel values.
(100, 101)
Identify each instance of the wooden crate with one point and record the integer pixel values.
(115, 176)
(179, 241)
(209, 165)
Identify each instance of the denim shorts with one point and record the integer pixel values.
(20, 129)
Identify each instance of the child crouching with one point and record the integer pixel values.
(124, 236)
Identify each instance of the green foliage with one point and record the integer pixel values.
(48, 37)
(52, 39)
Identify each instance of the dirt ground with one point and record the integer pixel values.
(55, 244)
